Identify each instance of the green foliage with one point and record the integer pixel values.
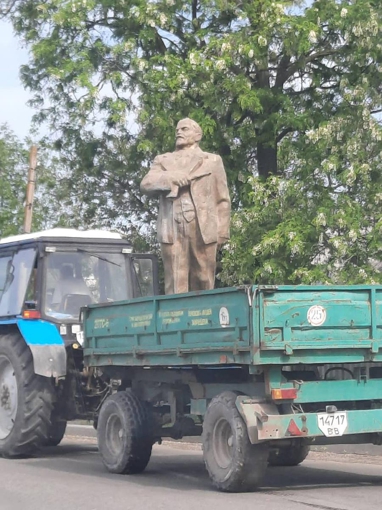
(13, 168)
(14, 163)
(266, 80)
(323, 223)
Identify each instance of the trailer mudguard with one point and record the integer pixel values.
(46, 345)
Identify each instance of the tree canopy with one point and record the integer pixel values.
(13, 168)
(287, 92)
(14, 163)
(323, 223)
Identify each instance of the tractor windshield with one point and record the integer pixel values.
(74, 279)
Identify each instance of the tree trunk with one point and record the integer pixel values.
(267, 159)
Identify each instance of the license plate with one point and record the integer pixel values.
(332, 424)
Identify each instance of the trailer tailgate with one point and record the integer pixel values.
(313, 324)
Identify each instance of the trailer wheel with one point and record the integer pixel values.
(292, 456)
(124, 433)
(233, 463)
(25, 400)
(56, 432)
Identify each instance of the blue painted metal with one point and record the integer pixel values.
(45, 343)
(39, 332)
(36, 331)
(6, 322)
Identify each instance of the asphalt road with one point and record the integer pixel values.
(72, 476)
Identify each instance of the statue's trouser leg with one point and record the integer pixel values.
(189, 264)
(176, 260)
(202, 262)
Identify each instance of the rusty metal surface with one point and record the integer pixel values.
(264, 423)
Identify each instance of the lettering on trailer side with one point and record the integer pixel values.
(171, 313)
(140, 321)
(171, 316)
(200, 313)
(199, 322)
(101, 323)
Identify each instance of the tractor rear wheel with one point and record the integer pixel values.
(56, 432)
(26, 400)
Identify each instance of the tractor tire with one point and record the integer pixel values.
(56, 432)
(233, 463)
(26, 400)
(124, 433)
(292, 456)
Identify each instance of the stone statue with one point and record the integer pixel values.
(194, 210)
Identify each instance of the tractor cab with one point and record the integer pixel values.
(52, 274)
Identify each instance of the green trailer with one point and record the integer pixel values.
(261, 373)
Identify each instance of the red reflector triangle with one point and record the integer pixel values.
(293, 430)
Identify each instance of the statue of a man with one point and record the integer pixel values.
(194, 210)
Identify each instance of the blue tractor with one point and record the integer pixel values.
(45, 280)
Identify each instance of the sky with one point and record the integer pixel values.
(13, 98)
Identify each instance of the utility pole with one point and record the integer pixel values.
(30, 190)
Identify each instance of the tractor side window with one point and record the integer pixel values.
(15, 272)
(143, 277)
(5, 263)
(31, 294)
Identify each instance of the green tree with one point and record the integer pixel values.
(13, 168)
(259, 76)
(14, 161)
(323, 222)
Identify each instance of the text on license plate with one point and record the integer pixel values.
(332, 424)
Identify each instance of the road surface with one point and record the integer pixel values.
(72, 476)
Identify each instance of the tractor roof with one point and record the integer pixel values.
(63, 233)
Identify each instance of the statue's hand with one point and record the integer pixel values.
(181, 180)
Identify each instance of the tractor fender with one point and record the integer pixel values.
(46, 345)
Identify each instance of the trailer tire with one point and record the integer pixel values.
(233, 463)
(124, 433)
(292, 456)
(26, 400)
(56, 432)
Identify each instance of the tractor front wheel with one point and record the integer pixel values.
(26, 400)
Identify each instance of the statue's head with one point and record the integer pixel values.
(188, 134)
